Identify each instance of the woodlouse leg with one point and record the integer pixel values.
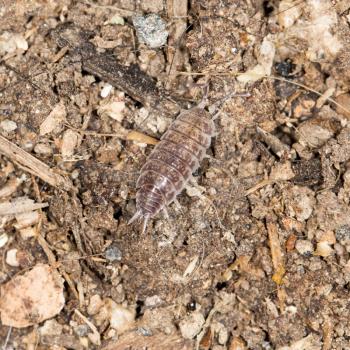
(178, 205)
(145, 221)
(165, 212)
(138, 215)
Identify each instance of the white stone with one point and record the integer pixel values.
(191, 325)
(11, 258)
(94, 305)
(8, 125)
(304, 247)
(106, 90)
(122, 318)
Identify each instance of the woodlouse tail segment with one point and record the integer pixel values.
(139, 215)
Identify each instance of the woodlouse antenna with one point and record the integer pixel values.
(204, 101)
(219, 104)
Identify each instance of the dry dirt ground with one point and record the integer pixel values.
(257, 254)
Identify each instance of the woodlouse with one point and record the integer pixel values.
(172, 162)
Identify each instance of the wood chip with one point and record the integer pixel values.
(20, 205)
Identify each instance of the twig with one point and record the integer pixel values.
(125, 134)
(33, 165)
(52, 260)
(277, 261)
(90, 325)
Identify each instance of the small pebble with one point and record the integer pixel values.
(113, 109)
(324, 249)
(191, 325)
(122, 318)
(51, 328)
(144, 331)
(106, 90)
(28, 232)
(151, 30)
(11, 258)
(84, 342)
(113, 253)
(43, 149)
(81, 330)
(343, 233)
(8, 125)
(10, 42)
(301, 202)
(95, 338)
(94, 305)
(70, 141)
(116, 19)
(291, 309)
(153, 301)
(223, 336)
(315, 264)
(304, 247)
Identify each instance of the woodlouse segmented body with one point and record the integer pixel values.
(172, 162)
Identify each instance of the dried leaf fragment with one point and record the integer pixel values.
(70, 141)
(140, 137)
(54, 119)
(31, 298)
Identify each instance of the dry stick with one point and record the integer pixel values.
(33, 165)
(277, 261)
(89, 324)
(125, 134)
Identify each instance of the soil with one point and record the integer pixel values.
(256, 254)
